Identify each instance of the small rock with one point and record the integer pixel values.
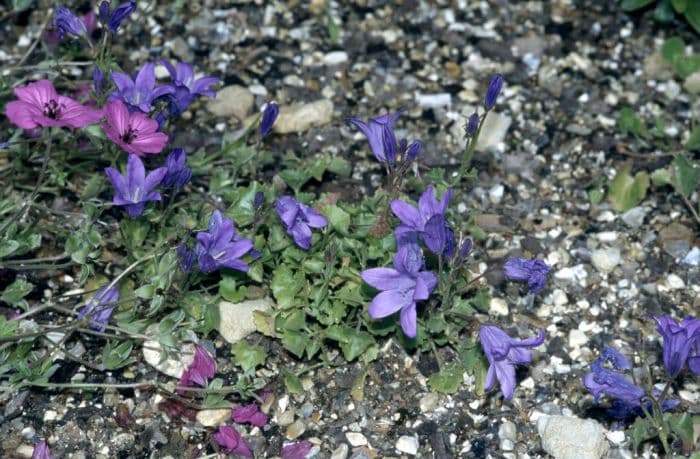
(25, 451)
(236, 320)
(341, 452)
(577, 338)
(232, 101)
(356, 439)
(124, 441)
(692, 83)
(429, 402)
(50, 415)
(496, 193)
(657, 68)
(211, 418)
(616, 436)
(408, 445)
(507, 435)
(434, 100)
(498, 306)
(302, 117)
(335, 58)
(675, 239)
(286, 418)
(606, 259)
(674, 282)
(295, 429)
(493, 131)
(567, 437)
(634, 217)
(174, 364)
(692, 258)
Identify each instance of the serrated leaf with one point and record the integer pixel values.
(661, 177)
(338, 218)
(642, 430)
(118, 356)
(248, 356)
(264, 323)
(294, 342)
(626, 191)
(685, 175)
(448, 380)
(681, 425)
(8, 247)
(16, 291)
(292, 382)
(285, 285)
(629, 123)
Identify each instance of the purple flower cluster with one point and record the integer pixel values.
(298, 219)
(220, 246)
(681, 344)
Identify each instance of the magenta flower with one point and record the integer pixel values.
(100, 307)
(135, 188)
(41, 451)
(231, 442)
(297, 450)
(139, 93)
(39, 105)
(202, 368)
(401, 287)
(135, 132)
(250, 414)
(681, 343)
(298, 219)
(220, 246)
(503, 353)
(533, 271)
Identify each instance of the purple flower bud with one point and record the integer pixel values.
(472, 124)
(98, 78)
(258, 200)
(534, 272)
(103, 14)
(67, 22)
(412, 151)
(100, 307)
(493, 91)
(119, 14)
(268, 118)
(465, 249)
(178, 174)
(186, 257)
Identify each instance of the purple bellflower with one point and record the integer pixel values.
(533, 271)
(269, 117)
(428, 221)
(401, 287)
(100, 307)
(472, 124)
(298, 450)
(602, 380)
(41, 450)
(298, 219)
(186, 86)
(494, 89)
(681, 344)
(202, 368)
(139, 94)
(114, 19)
(250, 414)
(380, 134)
(178, 174)
(220, 246)
(231, 441)
(68, 23)
(135, 188)
(503, 353)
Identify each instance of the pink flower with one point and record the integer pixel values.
(250, 414)
(297, 450)
(39, 105)
(133, 132)
(231, 442)
(202, 368)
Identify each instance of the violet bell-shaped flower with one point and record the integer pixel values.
(681, 344)
(401, 287)
(427, 220)
(503, 353)
(298, 219)
(186, 257)
(231, 442)
(380, 135)
(494, 89)
(269, 117)
(139, 93)
(602, 380)
(178, 174)
(134, 189)
(220, 246)
(113, 20)
(533, 271)
(68, 23)
(99, 308)
(186, 86)
(472, 124)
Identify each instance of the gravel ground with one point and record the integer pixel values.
(569, 67)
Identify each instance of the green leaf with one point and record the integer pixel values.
(16, 291)
(673, 48)
(294, 342)
(661, 177)
(631, 5)
(20, 5)
(247, 356)
(596, 196)
(681, 425)
(145, 291)
(642, 430)
(292, 382)
(629, 123)
(685, 66)
(338, 218)
(693, 143)
(228, 290)
(213, 399)
(626, 191)
(285, 285)
(339, 166)
(118, 356)
(679, 5)
(264, 323)
(352, 342)
(448, 380)
(8, 247)
(692, 14)
(685, 175)
(664, 12)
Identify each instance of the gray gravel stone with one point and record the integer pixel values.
(606, 259)
(302, 117)
(236, 320)
(567, 437)
(507, 435)
(232, 101)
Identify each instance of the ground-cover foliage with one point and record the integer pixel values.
(163, 235)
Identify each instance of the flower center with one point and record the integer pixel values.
(130, 135)
(52, 109)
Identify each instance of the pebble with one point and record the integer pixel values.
(429, 402)
(692, 258)
(433, 100)
(407, 444)
(211, 418)
(674, 282)
(692, 83)
(295, 429)
(493, 131)
(232, 100)
(286, 418)
(577, 338)
(335, 58)
(616, 436)
(498, 306)
(302, 117)
(175, 363)
(50, 415)
(507, 435)
(25, 451)
(341, 452)
(356, 439)
(566, 437)
(634, 217)
(606, 259)
(236, 320)
(496, 193)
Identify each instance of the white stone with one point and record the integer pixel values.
(606, 259)
(498, 306)
(232, 100)
(407, 444)
(692, 83)
(302, 117)
(572, 438)
(496, 193)
(356, 438)
(211, 418)
(429, 402)
(236, 320)
(434, 100)
(335, 58)
(493, 131)
(616, 436)
(559, 298)
(692, 258)
(607, 236)
(507, 435)
(172, 364)
(674, 282)
(577, 338)
(50, 415)
(634, 217)
(341, 452)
